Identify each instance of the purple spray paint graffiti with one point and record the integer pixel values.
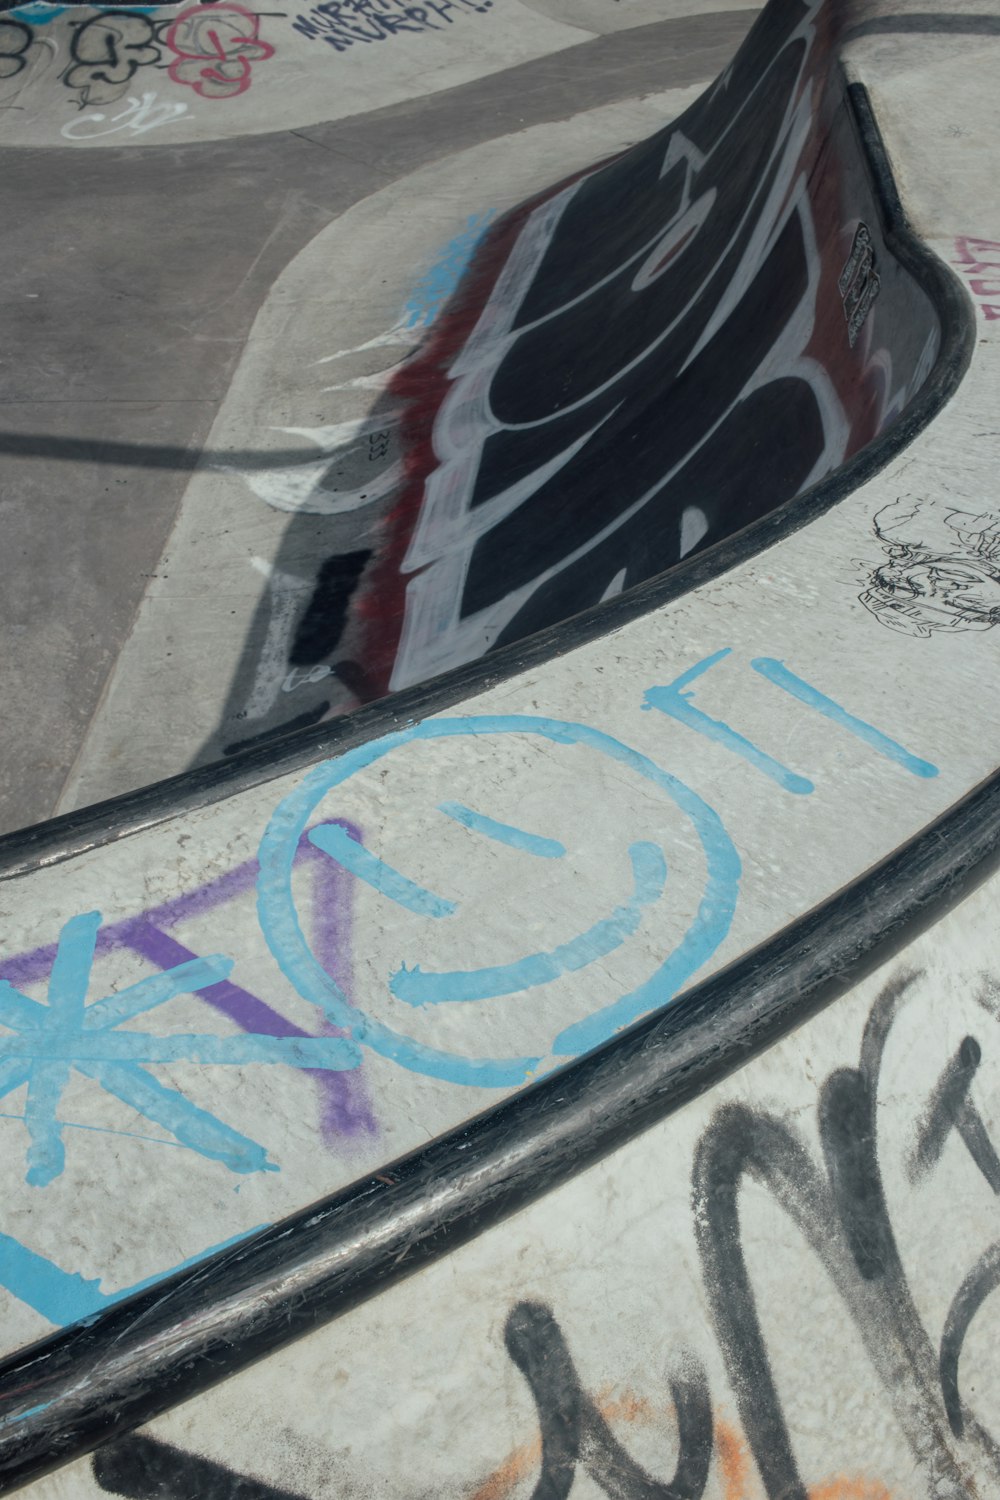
(344, 1106)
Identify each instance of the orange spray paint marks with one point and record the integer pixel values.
(627, 1408)
(736, 1473)
(734, 1462)
(739, 1481)
(500, 1483)
(850, 1489)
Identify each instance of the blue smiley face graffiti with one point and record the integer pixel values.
(410, 985)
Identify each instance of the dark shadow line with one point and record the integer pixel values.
(152, 455)
(931, 23)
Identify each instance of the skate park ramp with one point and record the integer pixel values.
(522, 1024)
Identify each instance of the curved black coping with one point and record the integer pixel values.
(77, 832)
(92, 1382)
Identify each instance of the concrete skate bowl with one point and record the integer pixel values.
(643, 440)
(687, 344)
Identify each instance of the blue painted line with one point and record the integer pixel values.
(185, 978)
(38, 13)
(776, 672)
(46, 1154)
(54, 1049)
(283, 933)
(131, 1135)
(191, 1125)
(71, 971)
(60, 1296)
(47, 1041)
(503, 833)
(64, 1297)
(649, 872)
(438, 283)
(677, 704)
(354, 857)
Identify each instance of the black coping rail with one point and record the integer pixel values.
(92, 1382)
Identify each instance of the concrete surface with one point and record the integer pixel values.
(779, 1289)
(123, 327)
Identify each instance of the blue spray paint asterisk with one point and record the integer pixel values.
(49, 1041)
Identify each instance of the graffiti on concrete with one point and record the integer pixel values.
(541, 478)
(859, 283)
(208, 48)
(433, 290)
(827, 1196)
(942, 568)
(838, 1204)
(15, 43)
(106, 52)
(142, 1468)
(687, 877)
(307, 635)
(979, 261)
(413, 986)
(141, 114)
(56, 1030)
(840, 1208)
(214, 47)
(47, 1042)
(345, 23)
(575, 1433)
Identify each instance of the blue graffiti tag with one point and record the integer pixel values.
(649, 872)
(64, 1297)
(436, 285)
(775, 671)
(503, 833)
(675, 700)
(280, 924)
(47, 1042)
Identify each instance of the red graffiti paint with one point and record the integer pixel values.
(215, 46)
(979, 262)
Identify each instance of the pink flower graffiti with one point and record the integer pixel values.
(215, 45)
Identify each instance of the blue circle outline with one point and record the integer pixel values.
(280, 925)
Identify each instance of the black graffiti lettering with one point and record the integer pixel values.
(391, 25)
(15, 40)
(141, 1468)
(441, 9)
(983, 1279)
(843, 1215)
(107, 51)
(344, 22)
(340, 13)
(574, 1433)
(951, 1109)
(837, 1203)
(322, 624)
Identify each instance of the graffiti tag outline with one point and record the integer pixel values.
(280, 926)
